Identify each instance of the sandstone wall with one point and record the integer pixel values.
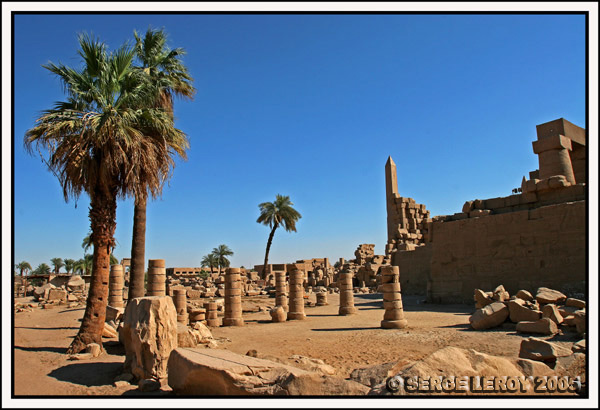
(526, 249)
(415, 267)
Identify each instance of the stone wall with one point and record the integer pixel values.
(545, 246)
(415, 267)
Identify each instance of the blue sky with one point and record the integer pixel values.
(311, 106)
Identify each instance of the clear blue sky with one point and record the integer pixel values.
(311, 107)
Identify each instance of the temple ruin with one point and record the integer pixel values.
(535, 237)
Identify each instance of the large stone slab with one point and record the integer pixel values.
(544, 326)
(489, 316)
(520, 312)
(199, 372)
(541, 350)
(546, 295)
(149, 334)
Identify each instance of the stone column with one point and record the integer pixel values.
(233, 298)
(157, 276)
(296, 308)
(281, 290)
(393, 317)
(346, 293)
(322, 299)
(212, 316)
(554, 158)
(197, 315)
(115, 286)
(180, 301)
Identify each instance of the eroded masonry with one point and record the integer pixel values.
(536, 237)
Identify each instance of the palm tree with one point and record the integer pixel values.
(57, 263)
(97, 143)
(273, 214)
(163, 68)
(69, 263)
(42, 269)
(221, 253)
(210, 261)
(86, 244)
(80, 266)
(24, 267)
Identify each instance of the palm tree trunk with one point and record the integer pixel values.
(138, 250)
(264, 272)
(103, 209)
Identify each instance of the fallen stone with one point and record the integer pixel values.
(203, 331)
(94, 349)
(109, 331)
(489, 316)
(535, 368)
(41, 292)
(149, 334)
(579, 347)
(114, 313)
(520, 312)
(148, 385)
(76, 282)
(126, 377)
(543, 326)
(541, 350)
(455, 361)
(314, 365)
(575, 303)
(72, 298)
(579, 319)
(373, 375)
(567, 310)
(481, 299)
(546, 295)
(121, 383)
(500, 294)
(278, 314)
(185, 337)
(221, 372)
(551, 312)
(81, 356)
(525, 295)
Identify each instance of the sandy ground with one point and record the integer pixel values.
(345, 342)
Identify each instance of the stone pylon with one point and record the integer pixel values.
(281, 290)
(393, 317)
(157, 278)
(346, 293)
(296, 308)
(233, 298)
(116, 283)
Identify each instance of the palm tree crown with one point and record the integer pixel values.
(221, 253)
(23, 267)
(57, 263)
(210, 261)
(279, 212)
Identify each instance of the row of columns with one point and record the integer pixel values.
(392, 299)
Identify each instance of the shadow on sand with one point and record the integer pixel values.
(342, 329)
(47, 328)
(88, 374)
(61, 350)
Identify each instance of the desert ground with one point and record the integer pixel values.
(345, 343)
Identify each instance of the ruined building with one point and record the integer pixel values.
(536, 237)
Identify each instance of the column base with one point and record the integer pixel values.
(394, 324)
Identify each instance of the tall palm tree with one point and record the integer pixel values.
(87, 243)
(273, 214)
(164, 69)
(24, 267)
(97, 142)
(57, 263)
(69, 263)
(42, 269)
(221, 253)
(210, 261)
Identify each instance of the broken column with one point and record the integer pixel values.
(281, 291)
(157, 277)
(180, 301)
(322, 299)
(197, 315)
(115, 286)
(393, 317)
(233, 298)
(212, 315)
(296, 307)
(346, 293)
(554, 158)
